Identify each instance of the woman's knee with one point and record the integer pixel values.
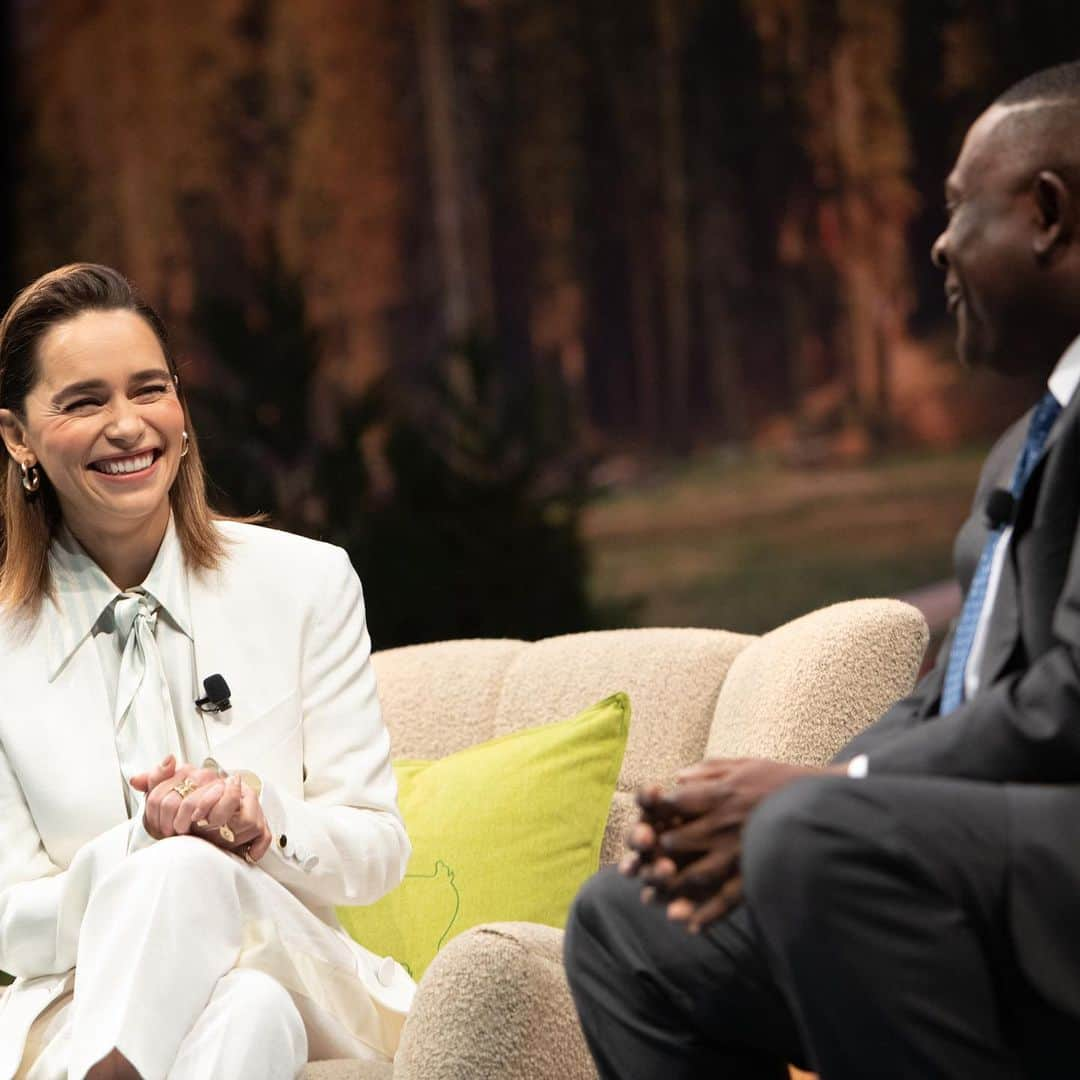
(180, 866)
(256, 994)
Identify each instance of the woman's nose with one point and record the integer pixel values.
(126, 424)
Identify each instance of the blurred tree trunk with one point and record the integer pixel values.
(676, 254)
(716, 253)
(625, 59)
(436, 68)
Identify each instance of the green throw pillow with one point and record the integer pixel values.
(504, 831)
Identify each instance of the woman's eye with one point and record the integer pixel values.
(153, 390)
(81, 404)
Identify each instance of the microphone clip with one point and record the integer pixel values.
(217, 695)
(1000, 508)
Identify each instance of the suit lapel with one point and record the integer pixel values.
(242, 658)
(1070, 415)
(72, 728)
(1005, 622)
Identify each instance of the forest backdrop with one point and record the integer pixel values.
(438, 269)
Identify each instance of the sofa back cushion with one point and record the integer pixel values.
(440, 698)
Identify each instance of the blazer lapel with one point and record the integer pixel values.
(70, 725)
(1070, 416)
(244, 660)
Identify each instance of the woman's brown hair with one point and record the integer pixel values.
(27, 526)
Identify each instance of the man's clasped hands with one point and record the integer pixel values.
(192, 800)
(686, 848)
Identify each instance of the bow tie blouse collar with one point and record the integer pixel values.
(83, 596)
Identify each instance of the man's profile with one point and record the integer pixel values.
(910, 910)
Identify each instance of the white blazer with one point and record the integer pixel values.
(283, 621)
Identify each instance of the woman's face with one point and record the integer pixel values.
(104, 423)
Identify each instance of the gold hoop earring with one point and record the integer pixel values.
(184, 448)
(31, 478)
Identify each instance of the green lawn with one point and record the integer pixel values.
(746, 547)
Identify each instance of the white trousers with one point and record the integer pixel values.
(157, 976)
(250, 1027)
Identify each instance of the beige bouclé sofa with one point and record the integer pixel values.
(494, 1005)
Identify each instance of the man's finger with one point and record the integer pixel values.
(705, 876)
(680, 910)
(716, 907)
(659, 873)
(654, 809)
(642, 837)
(710, 769)
(700, 834)
(691, 800)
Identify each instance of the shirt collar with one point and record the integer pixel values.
(82, 592)
(1066, 375)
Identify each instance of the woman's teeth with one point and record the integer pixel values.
(126, 465)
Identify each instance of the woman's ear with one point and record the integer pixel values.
(13, 431)
(1055, 213)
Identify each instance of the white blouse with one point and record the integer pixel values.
(85, 600)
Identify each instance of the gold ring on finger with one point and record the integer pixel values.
(185, 787)
(226, 834)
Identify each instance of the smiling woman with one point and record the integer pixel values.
(196, 901)
(87, 368)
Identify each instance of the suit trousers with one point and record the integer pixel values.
(249, 1027)
(191, 963)
(873, 940)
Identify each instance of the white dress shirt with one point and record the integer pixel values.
(1062, 383)
(84, 601)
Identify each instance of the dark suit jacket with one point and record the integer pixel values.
(1023, 727)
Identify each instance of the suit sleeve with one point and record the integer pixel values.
(344, 842)
(41, 904)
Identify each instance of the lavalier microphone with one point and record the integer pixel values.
(217, 695)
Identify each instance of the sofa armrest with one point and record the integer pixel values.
(495, 1005)
(348, 1069)
(802, 691)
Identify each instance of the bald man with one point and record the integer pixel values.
(914, 909)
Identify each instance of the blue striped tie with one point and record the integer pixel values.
(952, 695)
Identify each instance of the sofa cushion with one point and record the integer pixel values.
(509, 829)
(442, 697)
(672, 677)
(802, 691)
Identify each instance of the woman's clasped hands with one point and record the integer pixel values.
(189, 800)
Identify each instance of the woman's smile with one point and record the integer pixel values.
(128, 467)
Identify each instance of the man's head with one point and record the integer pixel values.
(1011, 250)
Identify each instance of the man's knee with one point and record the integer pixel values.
(603, 896)
(597, 905)
(796, 843)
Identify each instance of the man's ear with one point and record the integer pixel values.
(1055, 214)
(14, 434)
